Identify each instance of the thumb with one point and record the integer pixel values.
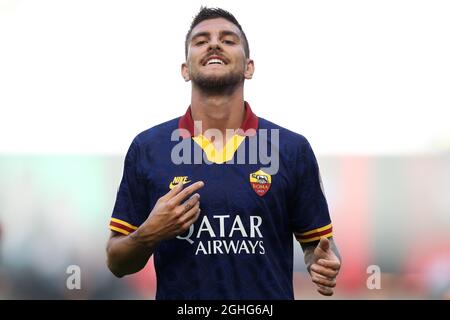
(323, 249)
(324, 244)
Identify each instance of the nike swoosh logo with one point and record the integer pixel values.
(172, 185)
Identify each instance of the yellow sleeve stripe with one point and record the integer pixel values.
(315, 230)
(124, 223)
(119, 230)
(315, 238)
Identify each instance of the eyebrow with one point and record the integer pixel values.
(221, 34)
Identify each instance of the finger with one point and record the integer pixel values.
(327, 263)
(320, 254)
(194, 218)
(324, 244)
(173, 192)
(322, 249)
(326, 272)
(322, 281)
(190, 213)
(318, 275)
(325, 291)
(177, 199)
(188, 204)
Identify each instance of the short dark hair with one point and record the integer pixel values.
(214, 13)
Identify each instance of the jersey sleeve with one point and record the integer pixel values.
(132, 202)
(310, 215)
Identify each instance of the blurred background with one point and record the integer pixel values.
(366, 82)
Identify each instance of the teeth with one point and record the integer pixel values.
(216, 61)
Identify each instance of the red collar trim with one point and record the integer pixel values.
(250, 122)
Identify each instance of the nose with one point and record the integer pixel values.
(214, 44)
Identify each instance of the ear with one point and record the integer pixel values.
(185, 72)
(250, 69)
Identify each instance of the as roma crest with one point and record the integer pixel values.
(260, 182)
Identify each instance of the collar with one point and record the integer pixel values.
(250, 122)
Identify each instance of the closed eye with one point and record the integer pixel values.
(199, 43)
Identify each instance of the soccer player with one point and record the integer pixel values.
(197, 192)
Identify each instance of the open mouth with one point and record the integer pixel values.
(214, 61)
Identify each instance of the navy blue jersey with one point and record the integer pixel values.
(241, 246)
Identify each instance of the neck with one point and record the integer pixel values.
(218, 110)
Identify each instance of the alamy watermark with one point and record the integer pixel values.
(263, 147)
(374, 280)
(73, 281)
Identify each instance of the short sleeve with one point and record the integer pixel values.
(310, 215)
(132, 202)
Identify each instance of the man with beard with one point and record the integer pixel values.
(237, 242)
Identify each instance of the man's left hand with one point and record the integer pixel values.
(325, 268)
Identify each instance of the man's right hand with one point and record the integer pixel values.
(171, 216)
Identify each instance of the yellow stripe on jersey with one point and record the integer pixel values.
(124, 223)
